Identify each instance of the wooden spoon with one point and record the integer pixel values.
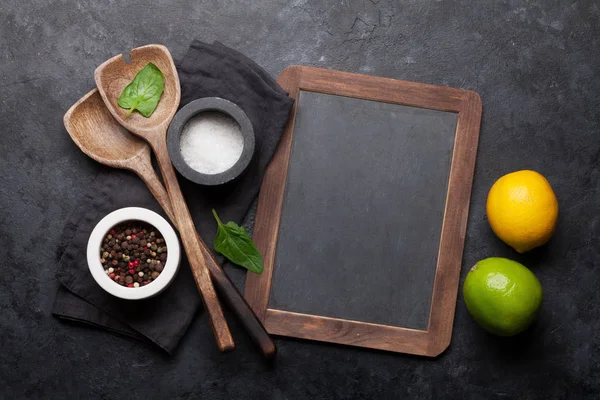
(99, 136)
(111, 78)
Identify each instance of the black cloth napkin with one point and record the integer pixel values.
(206, 71)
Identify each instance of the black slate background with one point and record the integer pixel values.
(534, 63)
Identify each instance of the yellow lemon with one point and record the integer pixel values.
(522, 210)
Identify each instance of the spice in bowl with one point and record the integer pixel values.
(211, 142)
(133, 253)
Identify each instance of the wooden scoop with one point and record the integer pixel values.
(111, 78)
(99, 136)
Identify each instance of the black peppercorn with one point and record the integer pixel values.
(123, 258)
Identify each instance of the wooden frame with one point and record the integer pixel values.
(433, 341)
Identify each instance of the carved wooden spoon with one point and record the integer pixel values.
(99, 136)
(111, 78)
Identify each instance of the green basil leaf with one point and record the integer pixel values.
(143, 93)
(234, 243)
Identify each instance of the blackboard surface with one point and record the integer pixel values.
(363, 210)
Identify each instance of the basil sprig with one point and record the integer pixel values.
(234, 243)
(143, 93)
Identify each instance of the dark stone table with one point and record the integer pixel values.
(536, 65)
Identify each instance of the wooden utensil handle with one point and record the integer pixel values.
(238, 304)
(143, 169)
(225, 287)
(192, 246)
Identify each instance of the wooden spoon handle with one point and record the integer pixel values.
(143, 169)
(192, 246)
(225, 287)
(240, 307)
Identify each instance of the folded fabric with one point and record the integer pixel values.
(206, 71)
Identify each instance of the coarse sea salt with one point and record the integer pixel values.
(211, 142)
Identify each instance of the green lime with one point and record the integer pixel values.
(502, 295)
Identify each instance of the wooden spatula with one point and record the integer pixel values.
(111, 78)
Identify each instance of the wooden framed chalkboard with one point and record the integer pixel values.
(363, 212)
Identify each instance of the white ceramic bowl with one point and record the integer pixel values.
(128, 214)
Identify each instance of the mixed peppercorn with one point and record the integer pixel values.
(133, 254)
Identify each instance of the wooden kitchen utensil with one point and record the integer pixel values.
(111, 78)
(99, 136)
